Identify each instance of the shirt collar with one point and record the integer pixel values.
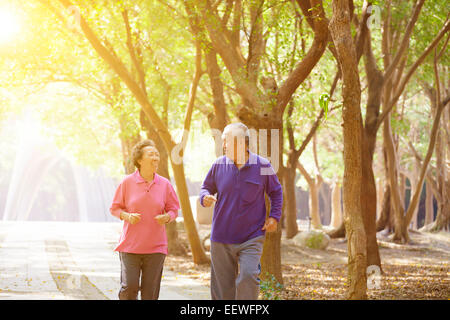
(138, 178)
(252, 158)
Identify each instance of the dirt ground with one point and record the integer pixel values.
(416, 271)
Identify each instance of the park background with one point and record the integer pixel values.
(83, 81)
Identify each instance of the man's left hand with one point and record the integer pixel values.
(270, 225)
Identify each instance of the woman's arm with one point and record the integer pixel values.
(118, 203)
(172, 204)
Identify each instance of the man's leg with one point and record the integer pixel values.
(152, 268)
(247, 283)
(223, 271)
(130, 266)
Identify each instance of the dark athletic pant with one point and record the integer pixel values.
(235, 270)
(144, 267)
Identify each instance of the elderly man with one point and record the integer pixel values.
(240, 179)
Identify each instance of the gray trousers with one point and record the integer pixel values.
(144, 267)
(235, 270)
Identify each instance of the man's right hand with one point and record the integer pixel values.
(132, 218)
(209, 200)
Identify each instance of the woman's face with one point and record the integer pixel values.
(150, 158)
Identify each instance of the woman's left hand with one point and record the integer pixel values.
(162, 219)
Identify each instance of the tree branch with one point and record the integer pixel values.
(411, 71)
(405, 41)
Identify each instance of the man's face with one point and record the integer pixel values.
(234, 148)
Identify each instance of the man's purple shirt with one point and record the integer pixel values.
(240, 210)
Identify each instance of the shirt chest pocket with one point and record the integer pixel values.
(252, 189)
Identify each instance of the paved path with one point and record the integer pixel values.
(71, 260)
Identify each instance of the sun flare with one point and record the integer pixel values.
(9, 25)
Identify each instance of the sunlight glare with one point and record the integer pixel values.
(9, 25)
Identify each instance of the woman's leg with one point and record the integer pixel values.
(130, 265)
(152, 268)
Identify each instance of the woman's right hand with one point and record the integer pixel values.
(132, 218)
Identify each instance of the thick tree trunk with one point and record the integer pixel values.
(352, 123)
(369, 200)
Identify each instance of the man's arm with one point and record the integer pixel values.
(209, 185)
(275, 193)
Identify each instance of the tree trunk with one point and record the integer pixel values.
(175, 247)
(253, 111)
(414, 185)
(290, 211)
(352, 123)
(127, 140)
(442, 221)
(271, 256)
(369, 199)
(198, 253)
(336, 216)
(324, 193)
(314, 186)
(383, 221)
(397, 207)
(443, 185)
(314, 206)
(339, 232)
(429, 209)
(443, 213)
(415, 199)
(380, 194)
(219, 119)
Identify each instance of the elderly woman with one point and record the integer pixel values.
(145, 202)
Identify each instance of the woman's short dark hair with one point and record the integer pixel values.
(136, 154)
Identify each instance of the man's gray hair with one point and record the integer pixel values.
(237, 129)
